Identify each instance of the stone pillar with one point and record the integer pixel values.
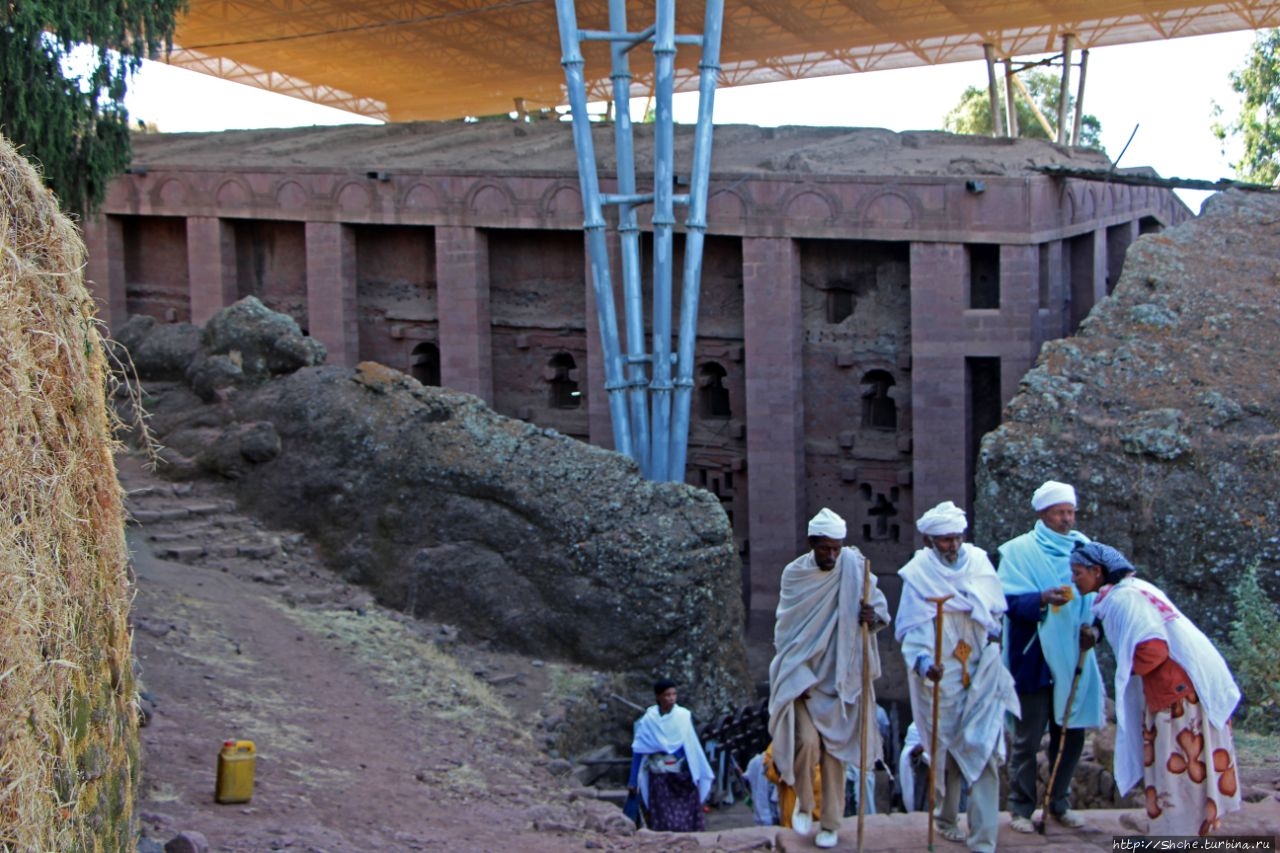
(939, 283)
(1100, 288)
(331, 290)
(104, 268)
(1055, 307)
(462, 286)
(774, 331)
(1019, 313)
(211, 266)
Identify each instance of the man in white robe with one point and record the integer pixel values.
(975, 690)
(815, 679)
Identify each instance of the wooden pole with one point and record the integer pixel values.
(1062, 743)
(865, 702)
(1044, 122)
(1079, 116)
(1011, 109)
(1064, 91)
(933, 735)
(993, 92)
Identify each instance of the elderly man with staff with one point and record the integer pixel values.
(1048, 648)
(949, 625)
(819, 680)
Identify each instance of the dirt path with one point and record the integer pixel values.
(369, 737)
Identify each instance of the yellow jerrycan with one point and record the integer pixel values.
(235, 772)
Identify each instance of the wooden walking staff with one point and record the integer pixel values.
(866, 704)
(1062, 743)
(933, 737)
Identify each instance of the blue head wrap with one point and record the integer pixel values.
(1114, 565)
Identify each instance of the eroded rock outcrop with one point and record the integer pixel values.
(519, 535)
(1164, 412)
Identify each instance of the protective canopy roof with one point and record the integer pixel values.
(405, 60)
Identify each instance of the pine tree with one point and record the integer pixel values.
(64, 70)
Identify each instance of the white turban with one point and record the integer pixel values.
(945, 518)
(827, 523)
(1053, 493)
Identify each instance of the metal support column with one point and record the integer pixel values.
(695, 233)
(1077, 122)
(653, 430)
(1064, 90)
(993, 92)
(593, 224)
(1011, 109)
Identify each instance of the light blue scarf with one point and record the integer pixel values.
(1036, 561)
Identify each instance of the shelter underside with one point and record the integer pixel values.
(439, 59)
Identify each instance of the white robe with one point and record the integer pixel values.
(656, 732)
(970, 720)
(818, 649)
(1132, 612)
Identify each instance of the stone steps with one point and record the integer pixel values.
(186, 525)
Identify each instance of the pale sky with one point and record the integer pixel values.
(1166, 89)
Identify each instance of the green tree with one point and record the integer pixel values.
(64, 70)
(1254, 652)
(972, 115)
(1258, 124)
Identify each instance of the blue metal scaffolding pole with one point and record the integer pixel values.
(629, 237)
(660, 445)
(593, 224)
(695, 233)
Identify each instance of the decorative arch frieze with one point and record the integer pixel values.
(811, 204)
(420, 197)
(171, 193)
(490, 199)
(291, 195)
(561, 200)
(890, 207)
(726, 206)
(354, 197)
(1085, 203)
(233, 192)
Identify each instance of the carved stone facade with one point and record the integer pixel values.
(863, 320)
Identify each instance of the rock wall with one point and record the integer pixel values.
(518, 535)
(1164, 412)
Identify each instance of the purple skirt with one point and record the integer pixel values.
(674, 804)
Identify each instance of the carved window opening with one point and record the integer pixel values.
(879, 410)
(841, 300)
(984, 276)
(713, 396)
(562, 376)
(424, 364)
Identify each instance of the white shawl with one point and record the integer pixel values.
(970, 719)
(972, 583)
(1132, 612)
(656, 732)
(818, 650)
